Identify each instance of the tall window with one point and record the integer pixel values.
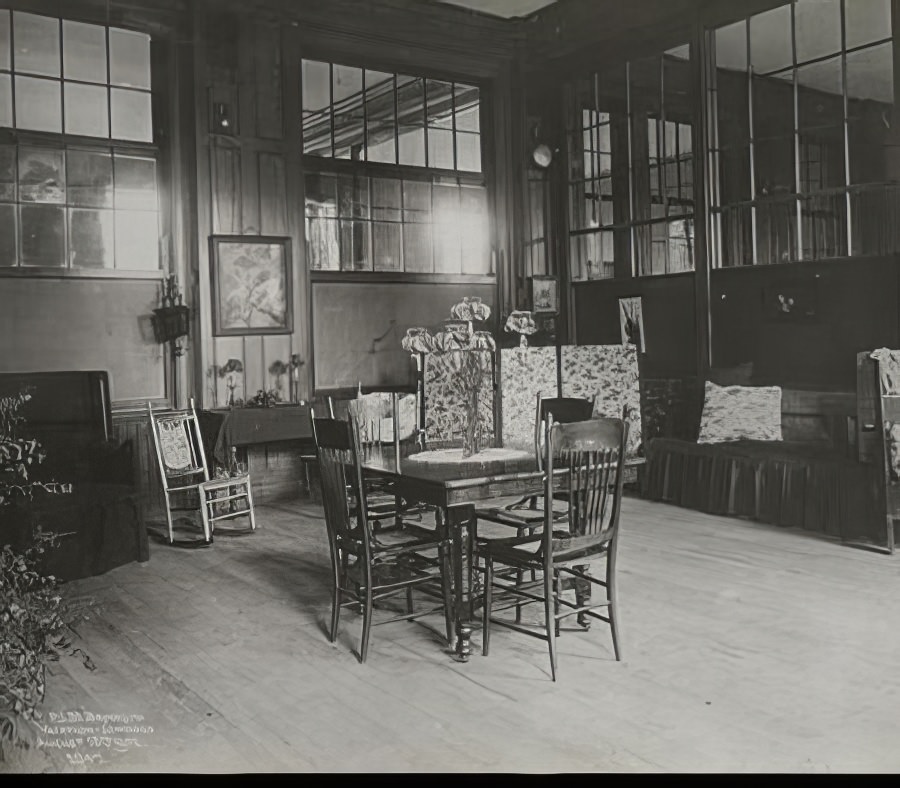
(803, 97)
(78, 185)
(630, 146)
(393, 172)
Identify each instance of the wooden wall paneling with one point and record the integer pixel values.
(226, 185)
(273, 196)
(267, 82)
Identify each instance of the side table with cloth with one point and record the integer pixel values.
(242, 427)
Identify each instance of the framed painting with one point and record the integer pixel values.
(631, 322)
(544, 295)
(251, 285)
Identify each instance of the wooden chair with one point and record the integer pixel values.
(591, 451)
(524, 514)
(185, 476)
(366, 569)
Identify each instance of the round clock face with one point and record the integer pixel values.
(542, 155)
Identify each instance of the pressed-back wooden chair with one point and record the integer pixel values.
(185, 476)
(524, 514)
(366, 570)
(591, 453)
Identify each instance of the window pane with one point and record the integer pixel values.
(817, 25)
(731, 48)
(8, 253)
(43, 235)
(37, 44)
(386, 199)
(90, 238)
(89, 179)
(355, 246)
(137, 240)
(348, 112)
(417, 248)
(84, 52)
(87, 110)
(468, 152)
(131, 115)
(41, 176)
(129, 58)
(770, 40)
(411, 118)
(870, 107)
(467, 107)
(382, 130)
(4, 40)
(7, 173)
(867, 21)
(38, 104)
(6, 113)
(440, 148)
(474, 230)
(135, 184)
(321, 222)
(386, 246)
(447, 252)
(353, 197)
(316, 89)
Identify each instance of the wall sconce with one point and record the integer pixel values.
(171, 321)
(222, 120)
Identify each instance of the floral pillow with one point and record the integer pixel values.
(732, 413)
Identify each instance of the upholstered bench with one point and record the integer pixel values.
(810, 479)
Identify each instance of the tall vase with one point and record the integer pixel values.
(470, 425)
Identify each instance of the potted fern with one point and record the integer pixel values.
(35, 619)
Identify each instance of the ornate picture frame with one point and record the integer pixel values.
(250, 279)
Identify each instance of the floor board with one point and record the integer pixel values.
(748, 648)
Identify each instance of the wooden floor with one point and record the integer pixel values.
(748, 648)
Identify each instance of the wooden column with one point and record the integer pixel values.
(702, 255)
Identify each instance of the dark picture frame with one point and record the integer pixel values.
(544, 295)
(251, 285)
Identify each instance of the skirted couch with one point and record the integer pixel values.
(796, 466)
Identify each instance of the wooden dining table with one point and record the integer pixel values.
(454, 484)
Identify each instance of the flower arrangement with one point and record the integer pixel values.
(278, 369)
(460, 346)
(521, 322)
(233, 367)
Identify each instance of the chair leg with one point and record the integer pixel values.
(366, 626)
(204, 516)
(613, 606)
(446, 590)
(409, 599)
(549, 618)
(337, 597)
(486, 606)
(556, 598)
(169, 519)
(520, 577)
(250, 506)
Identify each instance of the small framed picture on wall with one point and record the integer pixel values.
(544, 295)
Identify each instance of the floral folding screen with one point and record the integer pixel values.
(610, 372)
(525, 372)
(445, 401)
